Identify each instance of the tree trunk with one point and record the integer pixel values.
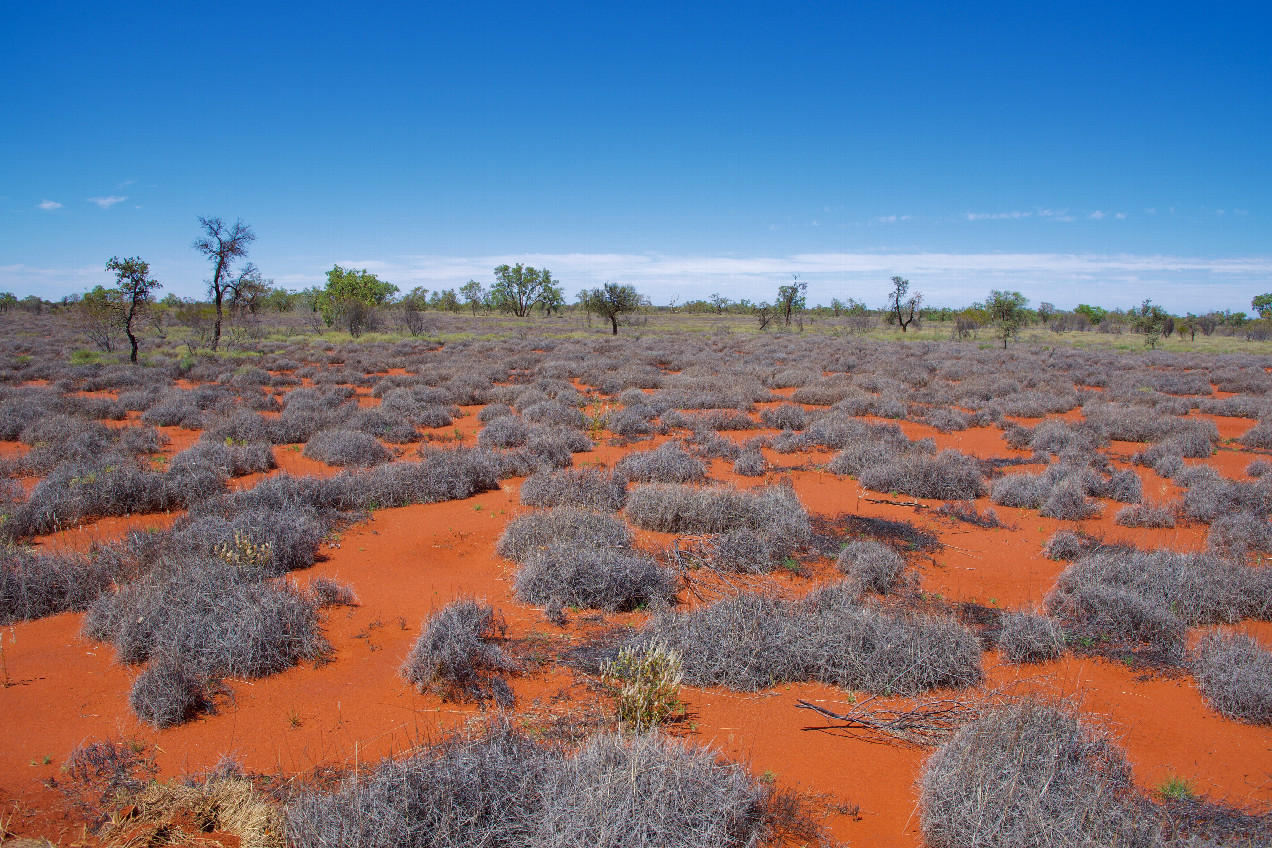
(216, 327)
(133, 341)
(614, 322)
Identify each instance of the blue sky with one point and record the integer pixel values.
(1100, 152)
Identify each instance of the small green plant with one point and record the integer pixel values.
(244, 553)
(646, 685)
(1175, 788)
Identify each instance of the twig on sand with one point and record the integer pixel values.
(894, 503)
(928, 723)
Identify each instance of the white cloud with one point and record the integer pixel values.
(1121, 216)
(996, 216)
(48, 205)
(107, 202)
(1097, 214)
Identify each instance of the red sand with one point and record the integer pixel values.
(405, 563)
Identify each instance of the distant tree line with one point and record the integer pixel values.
(358, 301)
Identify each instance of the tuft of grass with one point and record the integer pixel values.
(646, 685)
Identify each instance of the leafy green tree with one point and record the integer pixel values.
(445, 299)
(1005, 311)
(473, 294)
(520, 288)
(1151, 320)
(97, 316)
(350, 297)
(903, 309)
(719, 303)
(1094, 314)
(413, 304)
(791, 298)
(278, 299)
(612, 301)
(133, 294)
(8, 300)
(223, 245)
(1262, 304)
(1045, 311)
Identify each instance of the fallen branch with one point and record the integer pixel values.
(894, 503)
(927, 724)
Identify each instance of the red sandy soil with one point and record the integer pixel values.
(405, 563)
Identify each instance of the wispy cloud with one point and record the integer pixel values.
(48, 205)
(107, 202)
(996, 216)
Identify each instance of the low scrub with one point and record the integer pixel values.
(668, 463)
(587, 577)
(871, 565)
(1030, 774)
(1027, 637)
(590, 488)
(458, 652)
(502, 789)
(751, 642)
(1234, 674)
(347, 447)
(564, 525)
(215, 618)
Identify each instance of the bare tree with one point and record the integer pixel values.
(223, 245)
(903, 309)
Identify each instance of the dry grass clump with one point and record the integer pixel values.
(1027, 637)
(871, 565)
(215, 617)
(228, 460)
(614, 579)
(185, 811)
(74, 492)
(949, 475)
(1146, 515)
(632, 422)
(347, 447)
(1234, 674)
(458, 652)
(667, 463)
(502, 789)
(1210, 496)
(1068, 501)
(1125, 596)
(325, 592)
(506, 431)
(1030, 774)
(750, 463)
(786, 416)
(752, 530)
(34, 584)
(165, 695)
(590, 488)
(712, 445)
(564, 524)
(750, 642)
(672, 508)
(1237, 535)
